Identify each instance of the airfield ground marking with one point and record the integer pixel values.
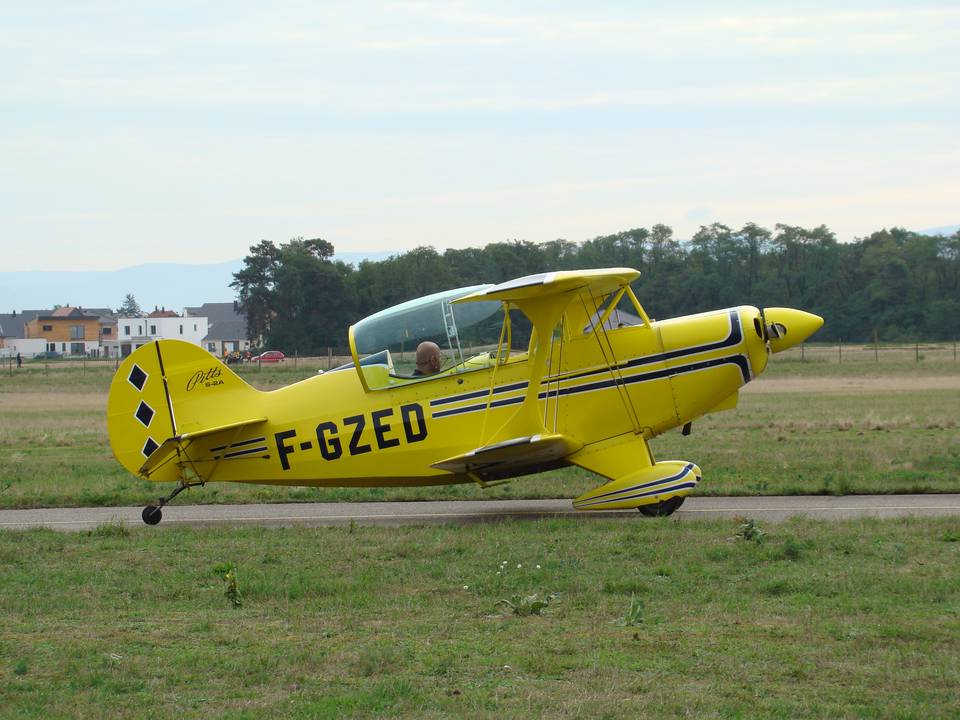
(508, 513)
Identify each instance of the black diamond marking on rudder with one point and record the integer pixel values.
(137, 377)
(149, 447)
(144, 414)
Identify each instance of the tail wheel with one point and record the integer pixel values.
(663, 508)
(151, 514)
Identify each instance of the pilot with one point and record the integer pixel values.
(428, 359)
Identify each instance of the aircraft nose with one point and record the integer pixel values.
(787, 327)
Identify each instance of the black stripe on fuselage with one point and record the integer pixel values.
(237, 444)
(739, 360)
(734, 337)
(479, 406)
(479, 393)
(240, 453)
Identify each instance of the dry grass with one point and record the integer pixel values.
(852, 385)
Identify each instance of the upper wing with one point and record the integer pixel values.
(598, 282)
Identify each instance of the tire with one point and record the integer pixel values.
(151, 515)
(663, 508)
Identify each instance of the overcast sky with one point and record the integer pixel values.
(187, 131)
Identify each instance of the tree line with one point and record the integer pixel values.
(894, 284)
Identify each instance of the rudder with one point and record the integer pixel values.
(167, 389)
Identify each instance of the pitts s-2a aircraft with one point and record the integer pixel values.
(549, 370)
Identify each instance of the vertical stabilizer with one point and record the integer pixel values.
(168, 389)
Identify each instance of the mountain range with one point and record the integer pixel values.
(170, 285)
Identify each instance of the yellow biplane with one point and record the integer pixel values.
(545, 371)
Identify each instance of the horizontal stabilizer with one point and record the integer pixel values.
(170, 446)
(511, 454)
(220, 428)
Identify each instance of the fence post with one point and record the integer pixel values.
(296, 356)
(876, 342)
(916, 350)
(330, 356)
(954, 349)
(840, 351)
(802, 346)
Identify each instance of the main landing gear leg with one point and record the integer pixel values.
(152, 514)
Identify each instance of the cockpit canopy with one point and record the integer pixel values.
(468, 334)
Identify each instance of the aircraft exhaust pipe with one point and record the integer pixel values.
(786, 327)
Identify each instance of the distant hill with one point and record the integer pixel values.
(945, 230)
(171, 285)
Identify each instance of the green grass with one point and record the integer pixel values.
(807, 427)
(853, 619)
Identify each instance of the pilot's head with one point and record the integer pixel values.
(428, 358)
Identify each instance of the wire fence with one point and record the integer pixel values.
(877, 353)
(47, 363)
(837, 353)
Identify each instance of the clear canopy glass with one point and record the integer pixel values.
(468, 335)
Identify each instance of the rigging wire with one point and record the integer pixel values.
(612, 363)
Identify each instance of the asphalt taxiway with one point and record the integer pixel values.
(767, 508)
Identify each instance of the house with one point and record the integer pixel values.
(133, 332)
(12, 331)
(11, 327)
(108, 331)
(227, 330)
(66, 330)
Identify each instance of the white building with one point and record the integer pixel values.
(227, 330)
(165, 324)
(27, 347)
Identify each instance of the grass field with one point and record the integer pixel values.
(647, 618)
(652, 618)
(812, 426)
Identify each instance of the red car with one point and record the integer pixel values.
(270, 356)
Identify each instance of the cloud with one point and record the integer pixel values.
(390, 124)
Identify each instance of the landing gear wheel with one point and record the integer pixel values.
(662, 509)
(151, 515)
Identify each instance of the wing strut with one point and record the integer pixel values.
(612, 364)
